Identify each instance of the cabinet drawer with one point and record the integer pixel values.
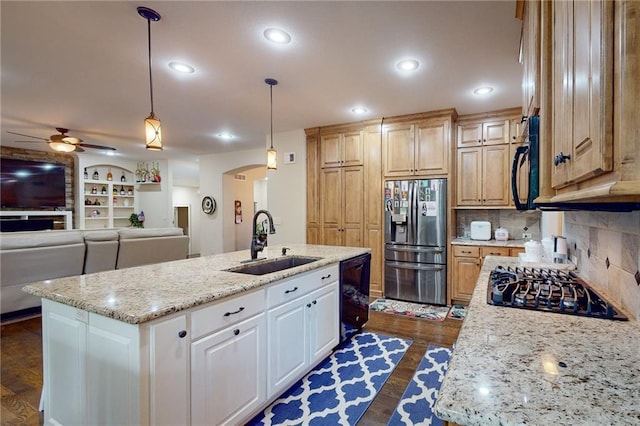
(300, 285)
(466, 251)
(225, 313)
(516, 251)
(494, 251)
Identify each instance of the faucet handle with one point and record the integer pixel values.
(284, 250)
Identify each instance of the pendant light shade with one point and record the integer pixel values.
(62, 147)
(152, 125)
(272, 154)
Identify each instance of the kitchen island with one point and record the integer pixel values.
(515, 366)
(186, 342)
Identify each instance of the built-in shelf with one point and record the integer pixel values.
(113, 205)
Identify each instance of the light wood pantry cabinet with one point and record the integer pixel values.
(467, 262)
(373, 232)
(483, 160)
(417, 145)
(313, 185)
(109, 196)
(342, 204)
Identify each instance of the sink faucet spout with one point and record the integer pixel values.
(259, 242)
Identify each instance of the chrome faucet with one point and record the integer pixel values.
(259, 242)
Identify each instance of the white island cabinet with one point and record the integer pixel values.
(208, 364)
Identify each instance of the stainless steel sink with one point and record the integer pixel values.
(275, 265)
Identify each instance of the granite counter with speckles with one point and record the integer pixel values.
(136, 295)
(496, 243)
(515, 367)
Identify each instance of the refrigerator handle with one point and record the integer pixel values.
(411, 223)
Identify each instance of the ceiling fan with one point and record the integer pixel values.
(64, 143)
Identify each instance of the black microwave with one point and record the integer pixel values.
(527, 157)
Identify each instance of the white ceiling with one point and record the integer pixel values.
(83, 65)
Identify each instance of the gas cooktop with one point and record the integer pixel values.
(549, 290)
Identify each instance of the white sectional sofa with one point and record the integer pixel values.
(31, 256)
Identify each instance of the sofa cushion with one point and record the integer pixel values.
(31, 239)
(101, 235)
(130, 233)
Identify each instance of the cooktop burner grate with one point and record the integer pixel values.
(549, 290)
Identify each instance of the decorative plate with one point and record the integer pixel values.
(208, 205)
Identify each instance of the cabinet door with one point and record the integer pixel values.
(465, 275)
(398, 149)
(432, 147)
(469, 177)
(288, 345)
(353, 202)
(530, 59)
(64, 341)
(353, 148)
(469, 135)
(169, 372)
(323, 305)
(495, 175)
(228, 373)
(495, 132)
(592, 89)
(330, 188)
(331, 150)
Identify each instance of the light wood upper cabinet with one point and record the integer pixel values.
(342, 206)
(483, 133)
(469, 177)
(529, 57)
(582, 90)
(419, 147)
(342, 149)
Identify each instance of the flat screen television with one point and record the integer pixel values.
(28, 184)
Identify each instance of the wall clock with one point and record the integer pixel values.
(208, 205)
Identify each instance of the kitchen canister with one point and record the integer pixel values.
(501, 234)
(533, 251)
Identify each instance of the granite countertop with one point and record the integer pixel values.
(469, 242)
(505, 369)
(136, 295)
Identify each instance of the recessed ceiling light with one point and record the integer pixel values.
(408, 65)
(359, 110)
(180, 67)
(483, 90)
(225, 136)
(277, 35)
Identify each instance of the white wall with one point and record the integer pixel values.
(243, 190)
(287, 189)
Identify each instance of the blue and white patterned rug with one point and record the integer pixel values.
(339, 389)
(416, 405)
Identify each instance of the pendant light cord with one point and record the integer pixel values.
(150, 77)
(271, 96)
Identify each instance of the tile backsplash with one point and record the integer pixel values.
(606, 247)
(514, 221)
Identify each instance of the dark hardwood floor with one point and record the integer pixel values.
(21, 359)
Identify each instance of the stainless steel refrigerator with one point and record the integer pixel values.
(415, 220)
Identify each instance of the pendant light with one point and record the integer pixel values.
(151, 123)
(272, 155)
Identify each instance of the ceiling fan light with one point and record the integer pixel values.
(272, 159)
(153, 131)
(62, 147)
(71, 140)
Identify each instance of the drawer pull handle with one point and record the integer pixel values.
(182, 334)
(236, 331)
(291, 291)
(226, 314)
(325, 277)
(308, 305)
(314, 302)
(467, 252)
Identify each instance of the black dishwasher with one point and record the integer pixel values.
(354, 294)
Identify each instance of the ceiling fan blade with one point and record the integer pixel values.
(78, 149)
(29, 136)
(88, 145)
(44, 140)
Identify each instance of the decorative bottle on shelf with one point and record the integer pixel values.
(86, 173)
(109, 175)
(94, 189)
(122, 191)
(103, 190)
(96, 175)
(115, 190)
(123, 178)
